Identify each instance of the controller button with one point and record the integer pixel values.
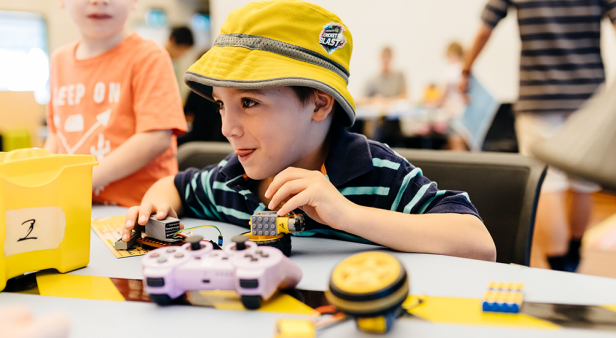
(170, 250)
(254, 259)
(225, 258)
(162, 260)
(264, 255)
(259, 252)
(155, 282)
(178, 255)
(249, 283)
(206, 281)
(197, 257)
(154, 254)
(248, 255)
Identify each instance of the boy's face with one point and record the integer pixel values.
(99, 18)
(269, 128)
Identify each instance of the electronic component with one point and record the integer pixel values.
(503, 297)
(268, 223)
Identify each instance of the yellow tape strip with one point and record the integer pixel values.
(467, 311)
(74, 286)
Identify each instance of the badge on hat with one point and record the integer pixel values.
(331, 37)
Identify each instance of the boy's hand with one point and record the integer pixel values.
(141, 215)
(310, 191)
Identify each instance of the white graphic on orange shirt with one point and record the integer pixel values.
(70, 94)
(74, 123)
(102, 149)
(100, 188)
(102, 120)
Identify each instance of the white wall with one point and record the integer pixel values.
(419, 31)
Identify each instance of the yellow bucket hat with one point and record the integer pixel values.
(278, 43)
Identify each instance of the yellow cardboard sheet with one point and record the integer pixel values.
(75, 286)
(109, 230)
(467, 311)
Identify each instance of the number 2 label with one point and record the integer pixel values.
(31, 221)
(32, 229)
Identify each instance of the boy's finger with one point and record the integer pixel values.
(288, 189)
(129, 224)
(162, 211)
(295, 202)
(181, 225)
(283, 177)
(145, 210)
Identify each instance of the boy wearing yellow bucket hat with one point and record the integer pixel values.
(279, 72)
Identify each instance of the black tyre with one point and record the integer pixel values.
(252, 302)
(281, 242)
(161, 299)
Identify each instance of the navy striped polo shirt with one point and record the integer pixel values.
(560, 65)
(368, 173)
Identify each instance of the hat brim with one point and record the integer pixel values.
(239, 67)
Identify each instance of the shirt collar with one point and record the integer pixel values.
(349, 157)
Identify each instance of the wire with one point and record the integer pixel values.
(200, 226)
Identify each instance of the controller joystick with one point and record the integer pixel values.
(240, 242)
(254, 272)
(195, 242)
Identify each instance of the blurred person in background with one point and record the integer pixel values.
(560, 68)
(205, 123)
(381, 90)
(180, 42)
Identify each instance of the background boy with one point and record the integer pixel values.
(114, 96)
(281, 87)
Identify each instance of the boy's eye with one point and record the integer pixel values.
(221, 105)
(247, 103)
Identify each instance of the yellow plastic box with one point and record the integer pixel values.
(45, 211)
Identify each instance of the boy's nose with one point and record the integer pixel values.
(230, 125)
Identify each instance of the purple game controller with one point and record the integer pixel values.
(255, 272)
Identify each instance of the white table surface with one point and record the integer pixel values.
(432, 275)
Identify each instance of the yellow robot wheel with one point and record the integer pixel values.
(371, 287)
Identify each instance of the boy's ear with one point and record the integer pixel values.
(323, 106)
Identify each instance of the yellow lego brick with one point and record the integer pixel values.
(295, 328)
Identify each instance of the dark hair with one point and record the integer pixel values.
(182, 36)
(305, 94)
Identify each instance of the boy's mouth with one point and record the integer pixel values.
(244, 153)
(99, 16)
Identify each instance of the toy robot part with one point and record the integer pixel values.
(281, 242)
(503, 297)
(371, 287)
(156, 231)
(268, 223)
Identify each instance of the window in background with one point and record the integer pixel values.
(24, 60)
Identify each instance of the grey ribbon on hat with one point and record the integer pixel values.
(256, 42)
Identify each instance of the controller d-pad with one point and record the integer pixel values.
(154, 254)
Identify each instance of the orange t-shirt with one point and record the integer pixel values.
(99, 103)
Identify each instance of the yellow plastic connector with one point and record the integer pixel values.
(295, 328)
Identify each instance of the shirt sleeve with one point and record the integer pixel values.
(610, 6)
(195, 189)
(157, 103)
(418, 195)
(494, 12)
